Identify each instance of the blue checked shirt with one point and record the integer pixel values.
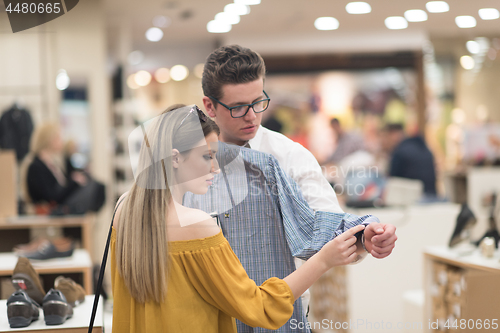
(266, 220)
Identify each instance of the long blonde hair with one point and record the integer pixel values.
(141, 244)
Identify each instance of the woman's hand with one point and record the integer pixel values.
(342, 249)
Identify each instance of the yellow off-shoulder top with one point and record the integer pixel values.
(207, 288)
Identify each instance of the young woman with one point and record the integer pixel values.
(172, 269)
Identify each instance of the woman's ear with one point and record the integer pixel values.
(176, 156)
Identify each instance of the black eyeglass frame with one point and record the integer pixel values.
(230, 108)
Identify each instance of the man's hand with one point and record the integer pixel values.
(380, 239)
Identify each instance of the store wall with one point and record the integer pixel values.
(29, 62)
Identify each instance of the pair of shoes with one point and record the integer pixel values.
(27, 279)
(56, 309)
(21, 309)
(57, 248)
(74, 293)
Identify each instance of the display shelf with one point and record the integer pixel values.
(79, 262)
(40, 221)
(78, 323)
(460, 288)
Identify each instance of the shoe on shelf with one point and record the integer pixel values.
(57, 248)
(21, 309)
(27, 279)
(56, 309)
(32, 246)
(74, 293)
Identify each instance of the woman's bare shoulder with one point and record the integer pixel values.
(193, 224)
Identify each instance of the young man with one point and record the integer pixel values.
(233, 85)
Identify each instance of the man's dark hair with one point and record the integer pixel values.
(334, 121)
(231, 64)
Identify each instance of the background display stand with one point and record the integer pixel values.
(15, 230)
(462, 288)
(79, 323)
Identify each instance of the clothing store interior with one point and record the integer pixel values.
(384, 113)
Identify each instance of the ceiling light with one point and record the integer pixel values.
(437, 6)
(131, 82)
(247, 2)
(179, 72)
(358, 8)
(227, 18)
(154, 34)
(467, 62)
(218, 27)
(142, 78)
(162, 75)
(473, 47)
(415, 15)
(489, 13)
(465, 21)
(135, 57)
(198, 70)
(396, 22)
(62, 80)
(161, 21)
(326, 23)
(237, 9)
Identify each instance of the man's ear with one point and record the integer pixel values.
(175, 158)
(209, 106)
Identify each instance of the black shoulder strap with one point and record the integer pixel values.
(101, 273)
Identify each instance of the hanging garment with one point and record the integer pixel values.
(16, 128)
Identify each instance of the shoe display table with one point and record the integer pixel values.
(79, 262)
(461, 290)
(79, 323)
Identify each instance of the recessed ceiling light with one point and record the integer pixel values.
(142, 78)
(437, 6)
(326, 23)
(415, 15)
(218, 27)
(467, 62)
(135, 57)
(489, 13)
(465, 21)
(161, 21)
(396, 22)
(154, 34)
(179, 72)
(237, 9)
(248, 2)
(62, 80)
(227, 18)
(473, 46)
(358, 8)
(162, 75)
(131, 82)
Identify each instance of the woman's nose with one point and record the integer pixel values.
(215, 166)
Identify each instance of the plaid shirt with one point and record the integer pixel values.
(266, 220)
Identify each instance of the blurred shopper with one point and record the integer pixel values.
(347, 142)
(47, 185)
(409, 157)
(233, 85)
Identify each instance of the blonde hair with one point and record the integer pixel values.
(41, 139)
(141, 243)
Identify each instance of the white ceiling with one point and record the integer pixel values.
(287, 26)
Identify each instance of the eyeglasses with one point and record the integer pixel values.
(239, 111)
(202, 116)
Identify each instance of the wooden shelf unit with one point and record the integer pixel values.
(465, 287)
